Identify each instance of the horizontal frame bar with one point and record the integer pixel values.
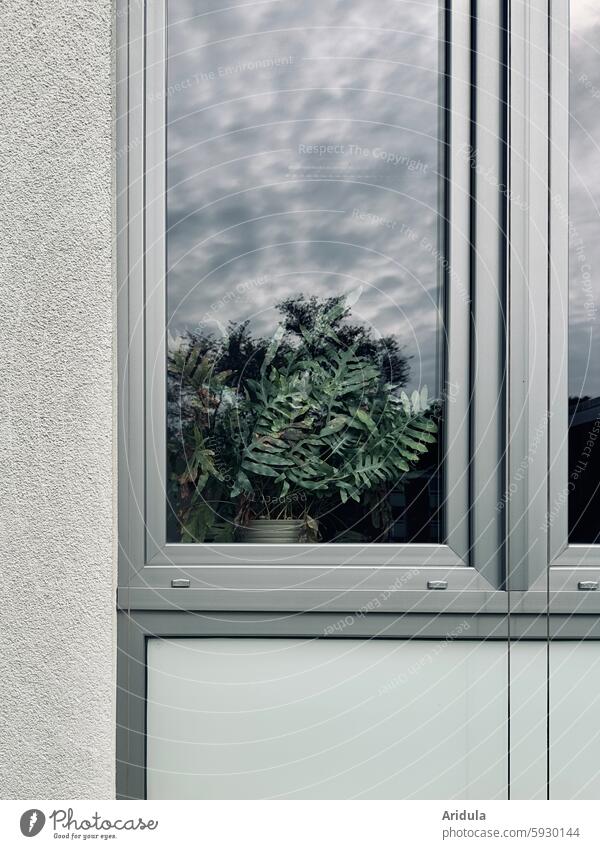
(382, 555)
(564, 599)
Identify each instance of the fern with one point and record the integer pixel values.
(318, 423)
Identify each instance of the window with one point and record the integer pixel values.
(306, 187)
(571, 523)
(584, 267)
(305, 269)
(312, 302)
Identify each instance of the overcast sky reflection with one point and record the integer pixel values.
(584, 200)
(303, 159)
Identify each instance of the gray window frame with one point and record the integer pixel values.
(522, 449)
(506, 461)
(471, 562)
(539, 273)
(569, 563)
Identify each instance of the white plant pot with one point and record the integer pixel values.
(272, 531)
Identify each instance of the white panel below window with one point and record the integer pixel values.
(528, 719)
(574, 729)
(314, 719)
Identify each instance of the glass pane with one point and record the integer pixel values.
(305, 267)
(584, 271)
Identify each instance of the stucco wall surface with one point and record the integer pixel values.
(57, 395)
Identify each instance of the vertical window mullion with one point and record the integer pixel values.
(558, 278)
(487, 292)
(155, 273)
(527, 295)
(457, 300)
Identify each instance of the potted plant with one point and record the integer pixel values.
(314, 420)
(321, 425)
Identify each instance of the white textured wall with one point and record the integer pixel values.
(56, 398)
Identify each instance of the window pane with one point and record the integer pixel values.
(304, 271)
(584, 268)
